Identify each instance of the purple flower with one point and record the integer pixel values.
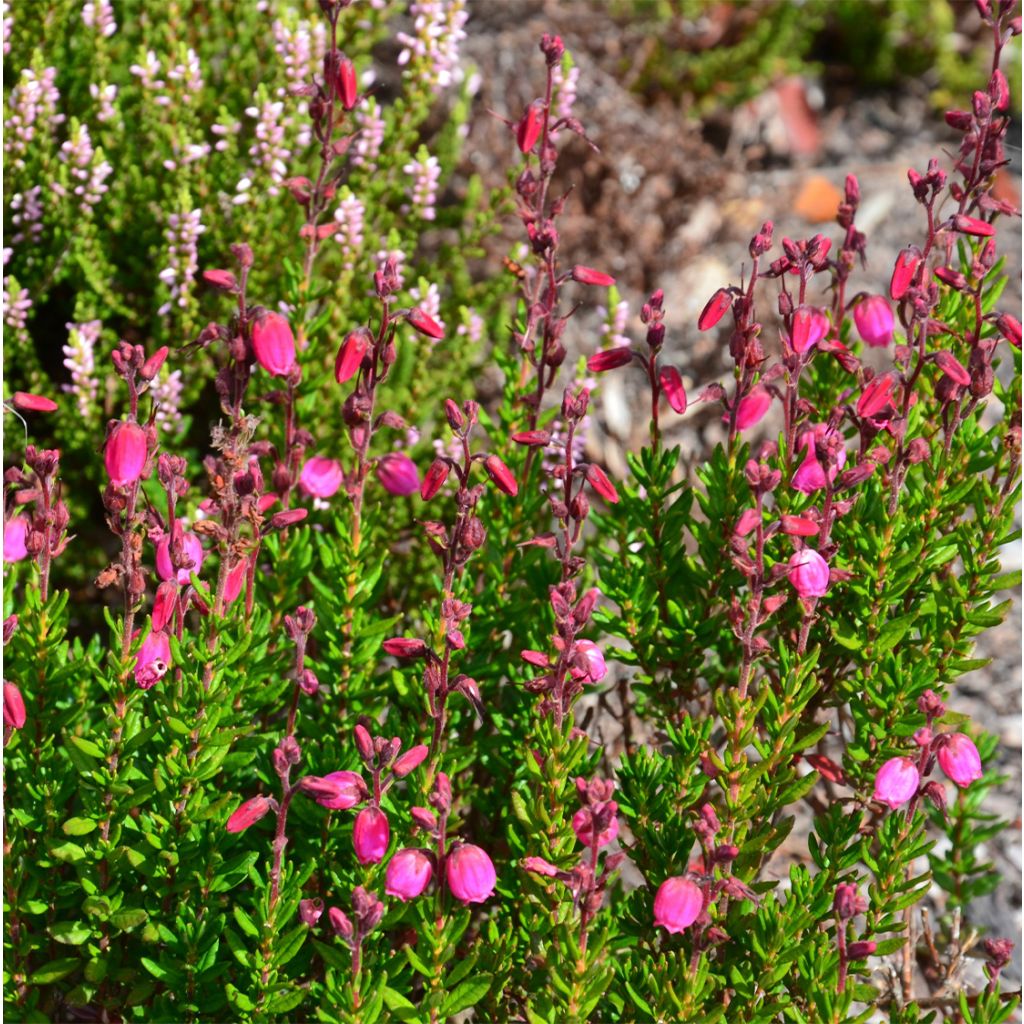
(398, 474)
(321, 477)
(896, 782)
(408, 874)
(959, 759)
(193, 548)
(470, 872)
(677, 904)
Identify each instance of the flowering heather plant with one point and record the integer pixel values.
(302, 668)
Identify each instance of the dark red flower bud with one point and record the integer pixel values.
(610, 359)
(903, 273)
(434, 479)
(222, 279)
(671, 382)
(950, 365)
(351, 353)
(529, 127)
(877, 395)
(424, 323)
(25, 402)
(972, 226)
(405, 647)
(1009, 328)
(587, 275)
(532, 437)
(151, 367)
(861, 949)
(715, 309)
(598, 479)
(501, 475)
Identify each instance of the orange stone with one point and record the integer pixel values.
(818, 200)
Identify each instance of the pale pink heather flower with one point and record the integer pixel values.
(32, 105)
(371, 134)
(614, 324)
(321, 477)
(104, 95)
(432, 51)
(147, 71)
(473, 327)
(470, 873)
(896, 782)
(166, 390)
(350, 215)
(408, 874)
(371, 834)
(193, 549)
(87, 170)
(8, 26)
(874, 320)
(959, 758)
(188, 75)
(17, 304)
(15, 534)
(808, 572)
(678, 904)
(425, 171)
(301, 44)
(270, 152)
(398, 257)
(99, 15)
(182, 234)
(565, 88)
(153, 659)
(27, 215)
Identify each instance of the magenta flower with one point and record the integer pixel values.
(501, 475)
(715, 309)
(596, 669)
(810, 476)
(752, 408)
(435, 478)
(896, 782)
(810, 326)
(398, 473)
(193, 553)
(588, 275)
(808, 572)
(540, 866)
(420, 320)
(153, 659)
(583, 826)
(907, 264)
(671, 381)
(26, 402)
(321, 477)
(234, 581)
(959, 759)
(248, 814)
(310, 911)
(15, 534)
(677, 904)
(874, 320)
(371, 835)
(274, 344)
(609, 359)
(470, 872)
(529, 127)
(125, 453)
(338, 791)
(14, 706)
(408, 874)
(350, 355)
(410, 760)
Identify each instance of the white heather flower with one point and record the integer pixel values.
(189, 73)
(615, 323)
(165, 391)
(86, 167)
(99, 15)
(182, 234)
(425, 172)
(433, 48)
(371, 134)
(8, 26)
(565, 89)
(350, 216)
(147, 70)
(81, 361)
(33, 105)
(429, 300)
(472, 331)
(269, 150)
(17, 303)
(27, 215)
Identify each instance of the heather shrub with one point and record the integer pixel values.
(314, 589)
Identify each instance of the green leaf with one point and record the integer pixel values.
(286, 999)
(128, 918)
(245, 922)
(78, 826)
(71, 933)
(468, 994)
(290, 945)
(54, 971)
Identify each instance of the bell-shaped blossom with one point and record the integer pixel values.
(752, 408)
(470, 873)
(596, 669)
(371, 835)
(810, 325)
(337, 791)
(321, 477)
(874, 320)
(14, 706)
(409, 872)
(153, 659)
(501, 475)
(959, 759)
(125, 453)
(193, 548)
(715, 309)
(810, 475)
(310, 911)
(583, 826)
(249, 813)
(610, 359)
(677, 904)
(398, 474)
(15, 535)
(273, 344)
(808, 572)
(897, 781)
(671, 381)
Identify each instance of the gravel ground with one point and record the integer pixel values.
(661, 206)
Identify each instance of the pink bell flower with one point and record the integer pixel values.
(14, 707)
(337, 791)
(583, 826)
(810, 325)
(125, 453)
(321, 477)
(677, 904)
(15, 535)
(193, 553)
(752, 408)
(248, 814)
(959, 759)
(470, 873)
(153, 659)
(371, 835)
(409, 872)
(874, 320)
(896, 782)
(808, 573)
(398, 474)
(274, 344)
(596, 669)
